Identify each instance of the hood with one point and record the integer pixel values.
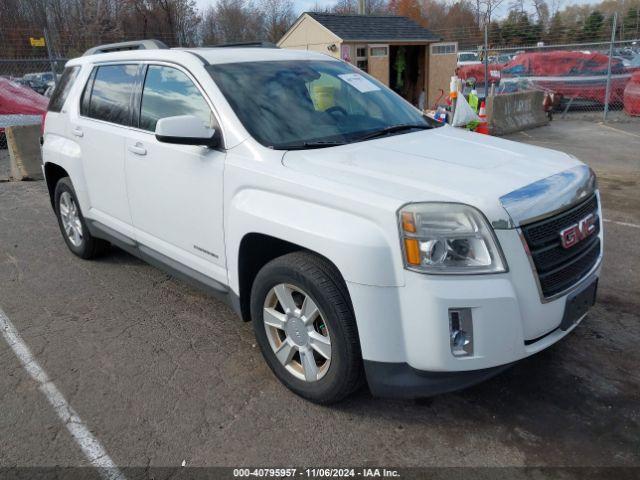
(444, 164)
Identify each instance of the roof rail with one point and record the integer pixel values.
(120, 46)
(246, 45)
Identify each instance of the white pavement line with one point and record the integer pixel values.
(624, 132)
(90, 446)
(622, 224)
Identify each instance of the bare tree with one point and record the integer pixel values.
(516, 6)
(277, 17)
(377, 7)
(345, 7)
(372, 7)
(554, 7)
(488, 9)
(232, 21)
(542, 11)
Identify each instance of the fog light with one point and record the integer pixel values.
(461, 331)
(459, 339)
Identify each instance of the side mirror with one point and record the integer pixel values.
(185, 130)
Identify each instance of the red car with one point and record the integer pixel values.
(476, 71)
(20, 105)
(578, 76)
(632, 95)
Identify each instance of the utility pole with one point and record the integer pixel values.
(608, 89)
(50, 55)
(486, 61)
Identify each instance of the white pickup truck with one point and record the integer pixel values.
(363, 240)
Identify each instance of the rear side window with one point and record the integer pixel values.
(110, 96)
(168, 92)
(63, 88)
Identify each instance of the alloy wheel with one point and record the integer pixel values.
(297, 332)
(70, 216)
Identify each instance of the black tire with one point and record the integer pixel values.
(321, 280)
(89, 247)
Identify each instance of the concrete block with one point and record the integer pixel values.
(24, 152)
(512, 112)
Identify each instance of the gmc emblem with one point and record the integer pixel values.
(577, 232)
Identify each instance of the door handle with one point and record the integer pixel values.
(138, 149)
(78, 132)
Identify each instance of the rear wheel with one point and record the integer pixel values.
(72, 224)
(304, 324)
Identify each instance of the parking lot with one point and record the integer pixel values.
(160, 373)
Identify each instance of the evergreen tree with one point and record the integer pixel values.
(631, 23)
(556, 32)
(494, 34)
(593, 26)
(517, 29)
(575, 33)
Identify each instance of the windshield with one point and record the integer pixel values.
(468, 57)
(288, 104)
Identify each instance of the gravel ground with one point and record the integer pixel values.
(162, 374)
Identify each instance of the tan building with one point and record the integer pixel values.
(396, 50)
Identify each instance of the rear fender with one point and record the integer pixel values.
(66, 154)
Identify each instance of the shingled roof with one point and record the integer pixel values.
(373, 27)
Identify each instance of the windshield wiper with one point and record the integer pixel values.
(308, 145)
(393, 129)
(378, 133)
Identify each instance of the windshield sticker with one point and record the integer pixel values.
(359, 82)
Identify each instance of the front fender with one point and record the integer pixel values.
(356, 245)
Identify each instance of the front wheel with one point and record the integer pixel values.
(305, 326)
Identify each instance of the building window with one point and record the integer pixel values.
(361, 57)
(444, 48)
(378, 52)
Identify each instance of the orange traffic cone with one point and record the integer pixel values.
(483, 126)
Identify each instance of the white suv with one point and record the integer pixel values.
(363, 240)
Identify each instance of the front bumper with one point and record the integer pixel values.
(399, 380)
(405, 336)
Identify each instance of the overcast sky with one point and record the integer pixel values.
(308, 5)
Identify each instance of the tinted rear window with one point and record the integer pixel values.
(63, 88)
(111, 93)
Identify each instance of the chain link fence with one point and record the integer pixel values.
(586, 77)
(25, 86)
(595, 77)
(32, 60)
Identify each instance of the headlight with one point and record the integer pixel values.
(448, 238)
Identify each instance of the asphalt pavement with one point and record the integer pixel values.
(161, 374)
